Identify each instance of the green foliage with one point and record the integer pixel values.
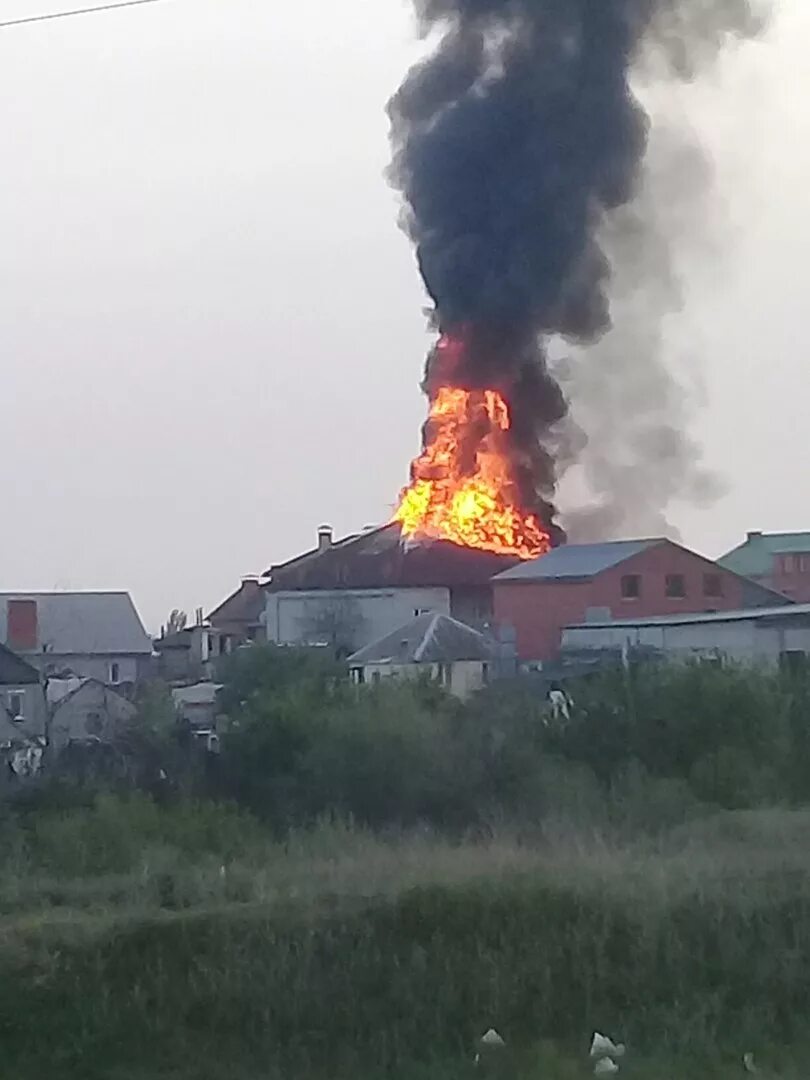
(662, 948)
(260, 672)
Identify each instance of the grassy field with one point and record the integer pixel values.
(137, 942)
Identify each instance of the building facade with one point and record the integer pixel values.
(766, 637)
(347, 593)
(432, 646)
(779, 561)
(346, 619)
(585, 583)
(95, 635)
(22, 699)
(88, 711)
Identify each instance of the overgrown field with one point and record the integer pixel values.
(362, 883)
(182, 942)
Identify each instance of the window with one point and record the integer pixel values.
(631, 587)
(115, 673)
(676, 586)
(712, 585)
(793, 661)
(16, 706)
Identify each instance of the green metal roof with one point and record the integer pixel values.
(754, 558)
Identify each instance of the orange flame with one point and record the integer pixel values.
(462, 487)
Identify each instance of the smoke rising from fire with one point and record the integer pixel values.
(519, 148)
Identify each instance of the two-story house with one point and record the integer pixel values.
(94, 635)
(780, 561)
(622, 579)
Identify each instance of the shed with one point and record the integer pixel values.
(768, 636)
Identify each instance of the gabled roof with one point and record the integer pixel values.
(61, 691)
(379, 559)
(14, 671)
(577, 562)
(430, 638)
(83, 623)
(243, 606)
(754, 557)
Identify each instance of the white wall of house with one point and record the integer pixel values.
(740, 640)
(27, 702)
(112, 670)
(461, 677)
(289, 615)
(93, 711)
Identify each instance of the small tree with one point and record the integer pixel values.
(177, 621)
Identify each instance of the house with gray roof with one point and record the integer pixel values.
(93, 635)
(431, 645)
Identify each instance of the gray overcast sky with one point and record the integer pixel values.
(210, 327)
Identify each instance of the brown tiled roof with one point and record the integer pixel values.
(243, 606)
(379, 559)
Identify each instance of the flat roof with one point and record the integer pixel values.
(784, 611)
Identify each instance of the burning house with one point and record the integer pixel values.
(347, 593)
(520, 151)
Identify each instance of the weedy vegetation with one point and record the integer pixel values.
(363, 884)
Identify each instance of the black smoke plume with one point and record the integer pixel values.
(514, 142)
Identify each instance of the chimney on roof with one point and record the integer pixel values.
(324, 537)
(22, 625)
(755, 535)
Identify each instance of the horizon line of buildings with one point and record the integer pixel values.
(367, 595)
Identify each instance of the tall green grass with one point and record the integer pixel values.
(341, 953)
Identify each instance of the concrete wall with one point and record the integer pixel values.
(32, 699)
(539, 610)
(290, 615)
(93, 711)
(741, 640)
(461, 677)
(130, 668)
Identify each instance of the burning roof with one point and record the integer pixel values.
(381, 558)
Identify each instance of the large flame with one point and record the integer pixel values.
(462, 485)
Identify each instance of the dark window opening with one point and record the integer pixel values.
(712, 585)
(631, 586)
(676, 586)
(15, 706)
(793, 661)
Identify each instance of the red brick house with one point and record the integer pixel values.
(780, 561)
(622, 579)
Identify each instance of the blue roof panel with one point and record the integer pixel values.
(577, 561)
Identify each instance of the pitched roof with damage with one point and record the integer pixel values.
(577, 562)
(379, 558)
(430, 638)
(754, 557)
(83, 623)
